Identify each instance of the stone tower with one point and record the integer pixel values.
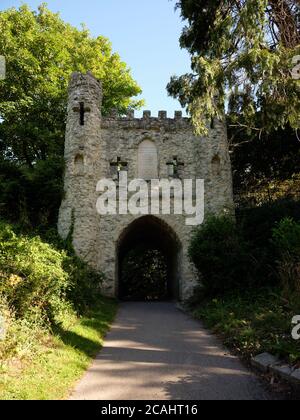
(165, 148)
(83, 152)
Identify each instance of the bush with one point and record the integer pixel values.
(220, 255)
(19, 337)
(85, 287)
(41, 285)
(253, 321)
(258, 223)
(31, 196)
(85, 284)
(286, 238)
(32, 277)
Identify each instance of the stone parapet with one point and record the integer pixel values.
(147, 121)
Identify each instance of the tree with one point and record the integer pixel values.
(266, 167)
(242, 53)
(41, 52)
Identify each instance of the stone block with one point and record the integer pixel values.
(283, 371)
(295, 377)
(264, 361)
(146, 114)
(162, 115)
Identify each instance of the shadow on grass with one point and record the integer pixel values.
(88, 334)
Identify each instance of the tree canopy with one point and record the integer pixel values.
(41, 52)
(242, 55)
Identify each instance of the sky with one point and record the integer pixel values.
(144, 32)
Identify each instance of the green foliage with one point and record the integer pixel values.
(144, 275)
(231, 255)
(85, 286)
(220, 255)
(265, 167)
(32, 276)
(41, 286)
(242, 53)
(31, 196)
(253, 321)
(41, 52)
(22, 337)
(286, 238)
(259, 239)
(250, 317)
(56, 361)
(264, 219)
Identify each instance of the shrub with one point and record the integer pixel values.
(253, 321)
(257, 226)
(286, 238)
(20, 337)
(220, 255)
(85, 283)
(32, 277)
(264, 219)
(31, 196)
(41, 285)
(44, 274)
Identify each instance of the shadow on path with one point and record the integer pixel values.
(155, 352)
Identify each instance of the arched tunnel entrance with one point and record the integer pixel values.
(149, 254)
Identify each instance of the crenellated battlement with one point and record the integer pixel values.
(162, 115)
(85, 99)
(147, 121)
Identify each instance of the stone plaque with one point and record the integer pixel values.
(147, 161)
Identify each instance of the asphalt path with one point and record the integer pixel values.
(156, 352)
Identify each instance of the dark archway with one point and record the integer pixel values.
(150, 237)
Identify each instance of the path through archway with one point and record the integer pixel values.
(148, 261)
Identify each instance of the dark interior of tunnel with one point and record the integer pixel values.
(148, 261)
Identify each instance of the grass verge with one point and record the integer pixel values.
(61, 360)
(253, 322)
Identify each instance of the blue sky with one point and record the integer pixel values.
(144, 32)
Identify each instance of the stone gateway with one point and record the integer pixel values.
(99, 147)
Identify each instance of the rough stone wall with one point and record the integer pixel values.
(101, 141)
(80, 191)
